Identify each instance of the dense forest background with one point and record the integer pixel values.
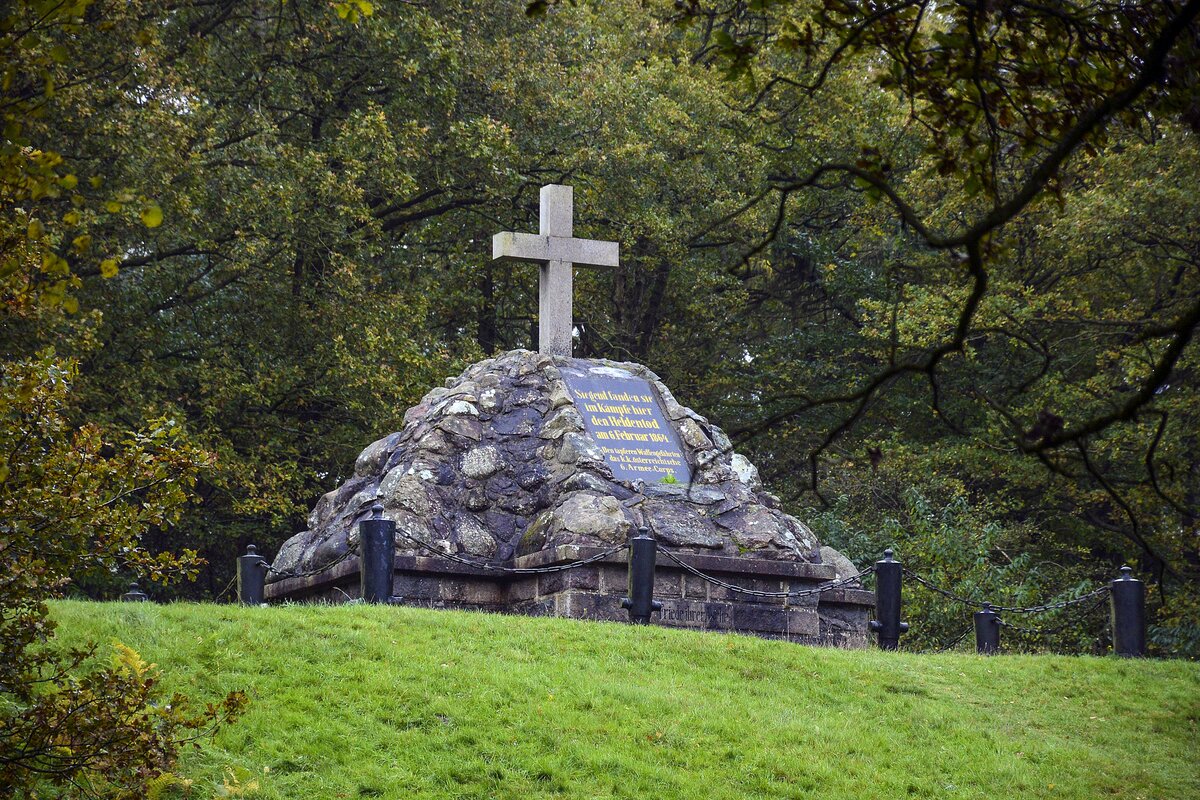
(936, 267)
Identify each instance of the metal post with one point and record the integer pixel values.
(643, 551)
(134, 595)
(1128, 598)
(987, 631)
(377, 556)
(251, 577)
(888, 575)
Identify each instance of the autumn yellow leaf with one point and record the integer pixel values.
(152, 215)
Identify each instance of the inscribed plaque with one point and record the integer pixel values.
(622, 415)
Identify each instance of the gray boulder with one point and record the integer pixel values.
(497, 462)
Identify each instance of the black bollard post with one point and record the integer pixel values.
(251, 577)
(1128, 598)
(987, 631)
(888, 575)
(134, 595)
(377, 556)
(643, 552)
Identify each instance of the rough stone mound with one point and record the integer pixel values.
(497, 464)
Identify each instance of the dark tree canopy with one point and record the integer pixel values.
(936, 263)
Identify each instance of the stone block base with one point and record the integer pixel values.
(837, 617)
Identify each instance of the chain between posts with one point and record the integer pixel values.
(825, 587)
(956, 642)
(308, 574)
(1038, 609)
(225, 591)
(460, 560)
(512, 570)
(1060, 628)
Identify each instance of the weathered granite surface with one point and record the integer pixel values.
(496, 465)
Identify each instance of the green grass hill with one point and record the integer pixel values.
(358, 701)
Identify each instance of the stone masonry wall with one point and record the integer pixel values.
(496, 466)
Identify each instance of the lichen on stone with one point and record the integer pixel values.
(496, 464)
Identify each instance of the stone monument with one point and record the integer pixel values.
(531, 459)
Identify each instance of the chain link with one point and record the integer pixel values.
(512, 570)
(1038, 609)
(308, 574)
(1058, 628)
(956, 642)
(795, 593)
(224, 591)
(483, 565)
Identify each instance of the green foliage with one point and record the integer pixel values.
(76, 498)
(967, 551)
(991, 296)
(403, 702)
(111, 732)
(76, 502)
(887, 251)
(327, 191)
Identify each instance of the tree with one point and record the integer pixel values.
(74, 499)
(328, 189)
(990, 328)
(902, 249)
(74, 502)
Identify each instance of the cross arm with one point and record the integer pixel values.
(535, 247)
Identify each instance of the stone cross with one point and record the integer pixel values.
(558, 253)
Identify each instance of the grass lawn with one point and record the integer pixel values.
(360, 701)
